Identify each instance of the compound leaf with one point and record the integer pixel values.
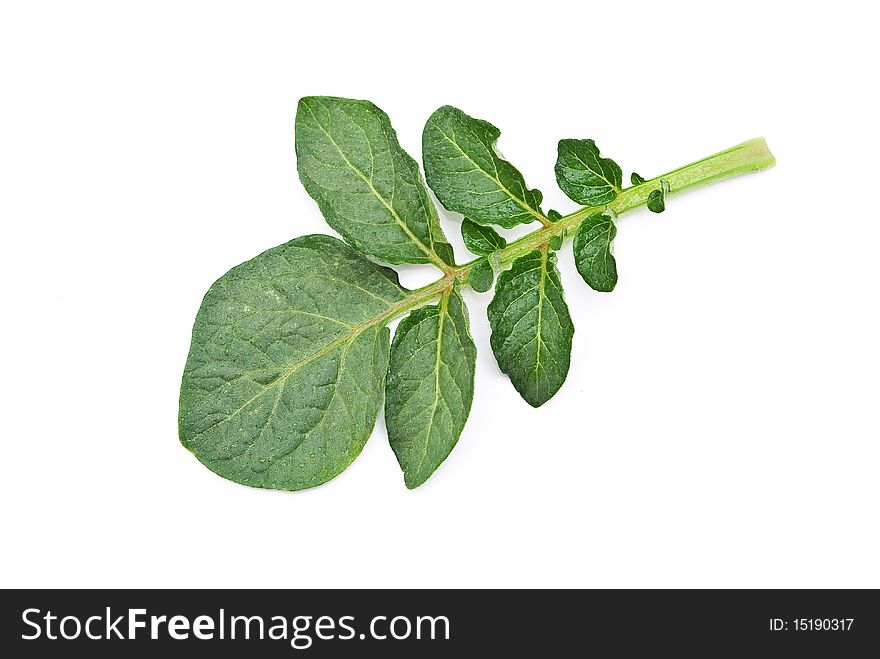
(584, 175)
(430, 386)
(480, 239)
(592, 251)
(469, 176)
(368, 188)
(531, 326)
(283, 381)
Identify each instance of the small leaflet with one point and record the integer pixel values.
(479, 239)
(481, 276)
(592, 251)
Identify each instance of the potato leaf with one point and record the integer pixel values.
(657, 198)
(531, 326)
(656, 202)
(479, 239)
(430, 386)
(481, 276)
(284, 376)
(469, 177)
(368, 188)
(290, 351)
(584, 175)
(592, 251)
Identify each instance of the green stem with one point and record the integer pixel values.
(751, 156)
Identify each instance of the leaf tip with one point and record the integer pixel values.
(412, 482)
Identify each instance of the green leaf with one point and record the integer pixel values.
(481, 276)
(284, 376)
(531, 326)
(469, 177)
(635, 179)
(656, 201)
(657, 198)
(430, 386)
(592, 251)
(584, 175)
(368, 188)
(556, 240)
(479, 239)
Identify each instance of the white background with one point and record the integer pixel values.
(719, 424)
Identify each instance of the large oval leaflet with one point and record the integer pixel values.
(290, 350)
(469, 177)
(283, 381)
(531, 326)
(430, 386)
(368, 188)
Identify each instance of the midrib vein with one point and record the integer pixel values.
(413, 299)
(607, 251)
(598, 173)
(444, 303)
(290, 370)
(541, 278)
